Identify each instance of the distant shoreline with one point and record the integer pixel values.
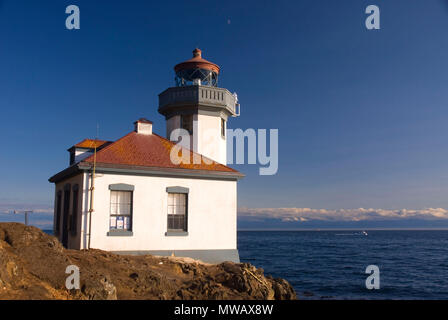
(347, 229)
(50, 231)
(324, 229)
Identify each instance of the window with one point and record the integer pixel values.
(66, 215)
(74, 217)
(177, 212)
(223, 128)
(120, 210)
(187, 123)
(57, 226)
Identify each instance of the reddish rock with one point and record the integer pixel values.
(33, 264)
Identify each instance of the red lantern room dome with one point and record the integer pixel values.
(197, 62)
(197, 71)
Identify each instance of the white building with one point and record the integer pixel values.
(129, 197)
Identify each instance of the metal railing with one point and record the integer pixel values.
(205, 95)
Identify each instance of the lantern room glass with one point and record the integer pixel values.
(191, 77)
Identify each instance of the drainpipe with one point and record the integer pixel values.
(92, 189)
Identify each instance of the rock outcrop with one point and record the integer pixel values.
(33, 266)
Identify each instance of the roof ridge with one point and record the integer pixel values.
(88, 143)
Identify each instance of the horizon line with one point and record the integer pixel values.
(349, 229)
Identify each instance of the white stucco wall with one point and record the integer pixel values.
(212, 214)
(206, 139)
(81, 154)
(171, 124)
(210, 142)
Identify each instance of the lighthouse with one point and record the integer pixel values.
(197, 105)
(127, 196)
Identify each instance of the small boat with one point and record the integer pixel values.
(364, 233)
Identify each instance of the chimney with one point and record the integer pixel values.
(143, 126)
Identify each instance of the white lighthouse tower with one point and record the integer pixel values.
(199, 106)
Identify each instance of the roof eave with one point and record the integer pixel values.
(65, 174)
(162, 171)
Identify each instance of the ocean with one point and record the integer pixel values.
(332, 264)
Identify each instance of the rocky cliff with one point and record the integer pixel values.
(33, 266)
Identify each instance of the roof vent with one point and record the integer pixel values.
(143, 126)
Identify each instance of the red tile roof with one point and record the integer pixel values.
(139, 150)
(91, 143)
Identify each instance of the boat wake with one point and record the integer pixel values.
(362, 233)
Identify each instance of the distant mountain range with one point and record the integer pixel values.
(299, 218)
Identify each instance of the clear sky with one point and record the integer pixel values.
(361, 114)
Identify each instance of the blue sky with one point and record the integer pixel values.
(361, 114)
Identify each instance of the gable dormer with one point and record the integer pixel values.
(85, 148)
